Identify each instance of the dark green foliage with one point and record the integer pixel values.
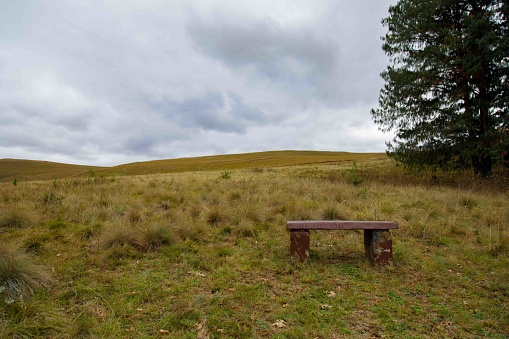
(226, 175)
(354, 177)
(446, 93)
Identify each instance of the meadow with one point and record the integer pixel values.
(203, 252)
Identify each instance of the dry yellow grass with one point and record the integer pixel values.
(200, 252)
(243, 161)
(28, 170)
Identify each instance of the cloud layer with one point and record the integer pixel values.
(109, 82)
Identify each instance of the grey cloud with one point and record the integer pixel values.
(245, 112)
(296, 59)
(212, 111)
(115, 81)
(141, 143)
(19, 113)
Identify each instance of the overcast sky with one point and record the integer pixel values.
(117, 81)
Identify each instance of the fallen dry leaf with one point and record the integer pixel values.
(203, 333)
(331, 294)
(280, 323)
(326, 307)
(199, 274)
(164, 331)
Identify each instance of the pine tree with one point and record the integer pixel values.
(446, 88)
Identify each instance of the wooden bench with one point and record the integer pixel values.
(377, 237)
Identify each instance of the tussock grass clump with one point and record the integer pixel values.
(118, 234)
(35, 243)
(143, 239)
(17, 216)
(157, 235)
(245, 228)
(333, 213)
(88, 231)
(468, 201)
(195, 231)
(134, 215)
(19, 275)
(215, 216)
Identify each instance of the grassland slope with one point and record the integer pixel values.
(204, 255)
(27, 170)
(243, 161)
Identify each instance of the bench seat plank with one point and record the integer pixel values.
(340, 225)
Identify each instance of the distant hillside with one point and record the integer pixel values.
(268, 159)
(11, 169)
(25, 170)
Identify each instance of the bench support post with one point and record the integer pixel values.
(299, 244)
(378, 246)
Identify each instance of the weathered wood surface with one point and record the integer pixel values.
(340, 225)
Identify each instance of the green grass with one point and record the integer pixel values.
(192, 255)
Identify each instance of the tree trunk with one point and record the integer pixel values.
(482, 165)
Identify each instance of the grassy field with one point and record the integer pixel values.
(204, 253)
(30, 170)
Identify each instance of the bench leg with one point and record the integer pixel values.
(299, 244)
(378, 246)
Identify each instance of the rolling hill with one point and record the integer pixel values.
(27, 170)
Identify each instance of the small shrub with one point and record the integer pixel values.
(226, 175)
(354, 176)
(19, 276)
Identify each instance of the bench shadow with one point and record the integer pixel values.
(331, 258)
